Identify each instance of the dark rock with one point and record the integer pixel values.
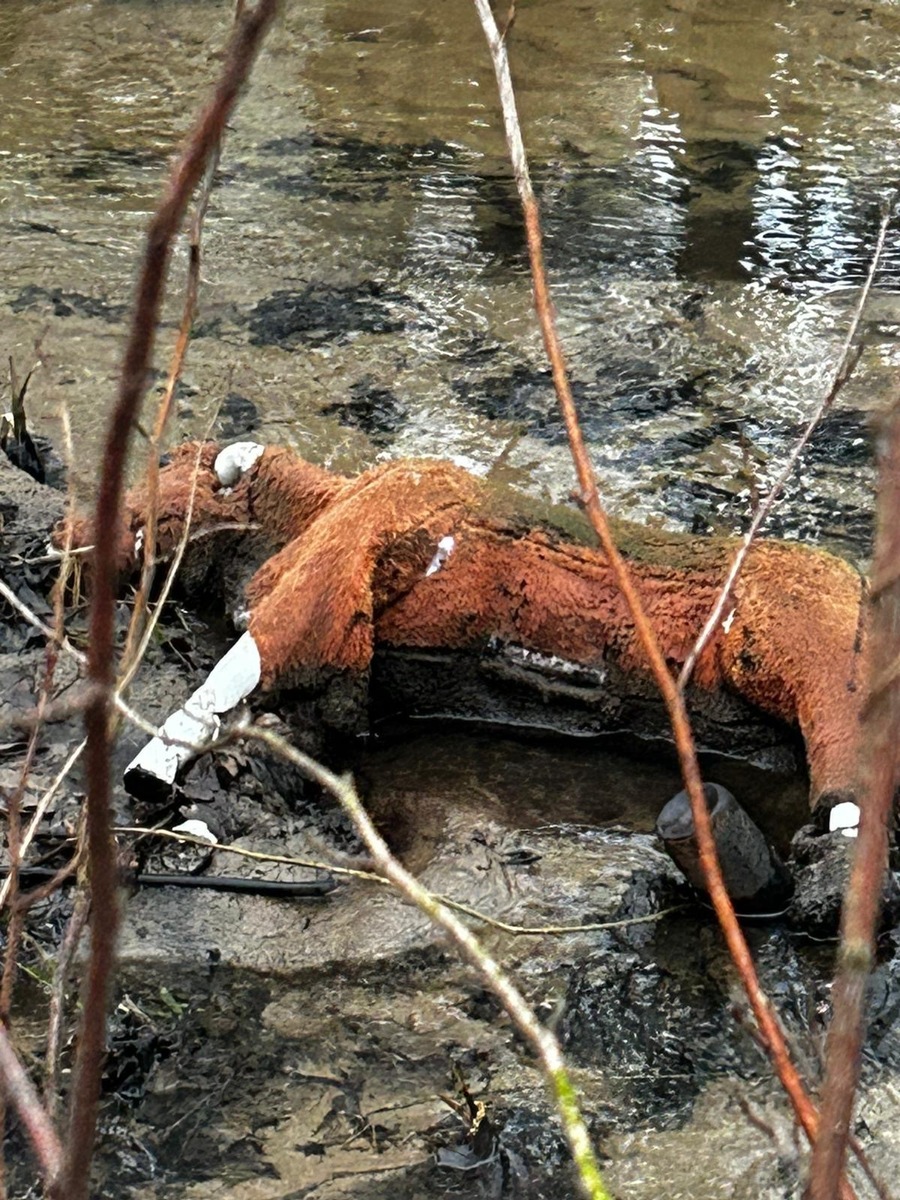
(375, 410)
(622, 391)
(68, 304)
(842, 438)
(821, 868)
(324, 313)
(643, 1025)
(238, 416)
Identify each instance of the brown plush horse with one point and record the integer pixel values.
(420, 553)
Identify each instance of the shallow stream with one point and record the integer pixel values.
(710, 180)
(710, 177)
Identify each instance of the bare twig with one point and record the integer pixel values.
(370, 877)
(862, 901)
(541, 1039)
(16, 922)
(846, 364)
(22, 1096)
(26, 900)
(49, 633)
(17, 845)
(116, 697)
(41, 809)
(769, 1025)
(164, 227)
(132, 654)
(64, 958)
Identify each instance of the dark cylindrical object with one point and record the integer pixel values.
(757, 880)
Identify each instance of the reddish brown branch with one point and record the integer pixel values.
(164, 227)
(862, 902)
(22, 1096)
(769, 1026)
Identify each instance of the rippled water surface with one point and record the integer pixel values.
(710, 177)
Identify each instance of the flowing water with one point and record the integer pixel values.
(710, 180)
(711, 177)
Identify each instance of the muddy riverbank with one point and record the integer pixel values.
(281, 1047)
(710, 180)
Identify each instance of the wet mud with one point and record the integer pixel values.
(710, 180)
(279, 1048)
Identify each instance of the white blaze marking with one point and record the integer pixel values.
(445, 548)
(845, 817)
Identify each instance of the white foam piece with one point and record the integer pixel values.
(196, 723)
(845, 817)
(234, 460)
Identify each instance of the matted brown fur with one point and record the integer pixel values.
(354, 552)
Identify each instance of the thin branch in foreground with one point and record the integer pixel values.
(17, 843)
(673, 698)
(64, 959)
(851, 351)
(542, 1041)
(164, 226)
(862, 901)
(24, 1099)
(131, 653)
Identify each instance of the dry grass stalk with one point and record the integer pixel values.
(862, 902)
(673, 698)
(41, 809)
(55, 1020)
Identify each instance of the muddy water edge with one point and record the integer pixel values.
(710, 179)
